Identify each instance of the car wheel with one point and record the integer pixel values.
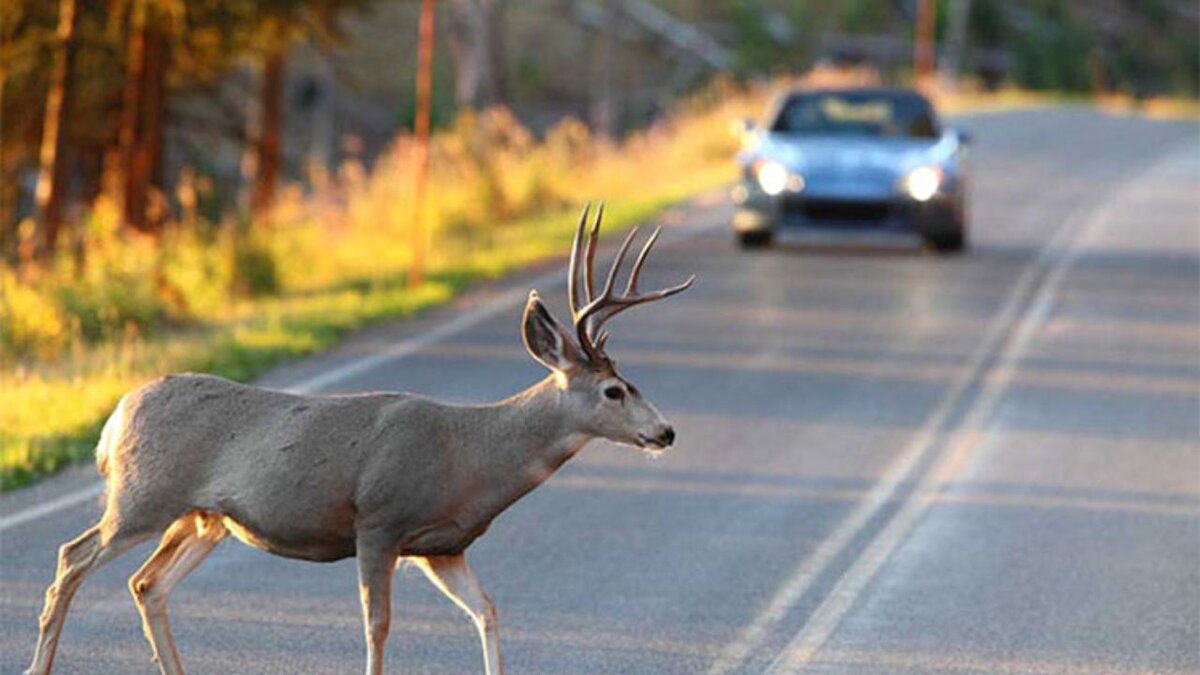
(953, 241)
(757, 239)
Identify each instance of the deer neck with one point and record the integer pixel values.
(533, 431)
(524, 440)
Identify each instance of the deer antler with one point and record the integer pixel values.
(589, 311)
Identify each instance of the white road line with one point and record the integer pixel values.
(829, 614)
(46, 508)
(806, 573)
(459, 324)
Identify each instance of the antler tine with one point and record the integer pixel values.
(619, 305)
(666, 292)
(616, 265)
(593, 237)
(573, 265)
(631, 287)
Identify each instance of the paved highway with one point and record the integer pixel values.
(888, 462)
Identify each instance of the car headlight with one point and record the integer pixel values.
(772, 176)
(923, 182)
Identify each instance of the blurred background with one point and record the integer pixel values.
(216, 185)
(889, 461)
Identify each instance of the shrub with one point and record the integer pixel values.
(31, 323)
(255, 271)
(196, 274)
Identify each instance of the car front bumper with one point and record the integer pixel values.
(755, 211)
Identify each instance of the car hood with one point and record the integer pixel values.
(820, 153)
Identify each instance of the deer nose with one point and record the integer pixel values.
(668, 436)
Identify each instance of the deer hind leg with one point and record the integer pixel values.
(453, 576)
(76, 559)
(186, 543)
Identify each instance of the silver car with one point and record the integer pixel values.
(853, 158)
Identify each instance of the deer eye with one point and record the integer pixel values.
(614, 393)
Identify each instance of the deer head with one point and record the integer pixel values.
(600, 400)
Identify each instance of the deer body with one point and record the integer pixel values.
(384, 477)
(300, 476)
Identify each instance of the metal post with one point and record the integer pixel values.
(416, 270)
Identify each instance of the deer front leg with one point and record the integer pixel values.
(453, 576)
(375, 569)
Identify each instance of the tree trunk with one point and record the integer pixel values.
(269, 140)
(143, 119)
(477, 50)
(602, 108)
(135, 56)
(9, 192)
(924, 47)
(154, 117)
(52, 170)
(960, 13)
(496, 82)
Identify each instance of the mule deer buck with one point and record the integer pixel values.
(386, 477)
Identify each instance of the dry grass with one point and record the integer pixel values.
(969, 98)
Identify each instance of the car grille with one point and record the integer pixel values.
(838, 210)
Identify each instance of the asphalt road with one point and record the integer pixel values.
(888, 462)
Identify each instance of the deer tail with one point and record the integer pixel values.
(108, 436)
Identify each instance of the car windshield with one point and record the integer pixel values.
(854, 113)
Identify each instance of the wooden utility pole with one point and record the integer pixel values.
(924, 48)
(416, 270)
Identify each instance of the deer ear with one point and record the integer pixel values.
(545, 338)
